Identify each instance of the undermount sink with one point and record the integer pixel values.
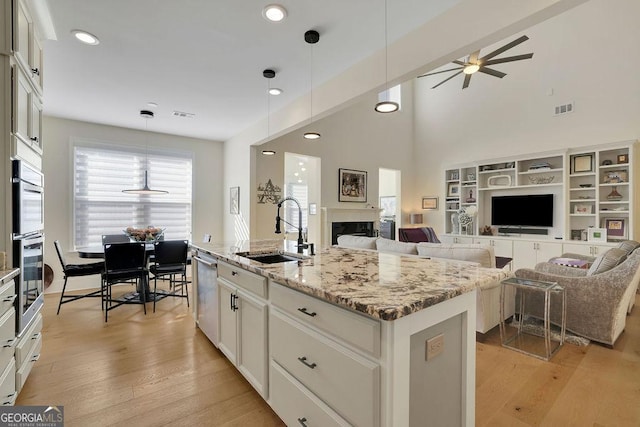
(269, 258)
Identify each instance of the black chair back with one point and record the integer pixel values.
(56, 243)
(115, 238)
(120, 257)
(171, 252)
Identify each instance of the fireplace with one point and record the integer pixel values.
(356, 228)
(330, 216)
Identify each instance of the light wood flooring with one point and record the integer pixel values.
(159, 370)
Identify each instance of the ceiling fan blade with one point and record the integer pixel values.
(492, 72)
(447, 79)
(505, 47)
(473, 58)
(467, 79)
(459, 62)
(508, 59)
(438, 72)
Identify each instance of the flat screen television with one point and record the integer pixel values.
(534, 210)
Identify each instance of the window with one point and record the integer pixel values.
(298, 192)
(100, 206)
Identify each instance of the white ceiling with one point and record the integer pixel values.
(206, 57)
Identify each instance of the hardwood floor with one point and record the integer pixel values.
(159, 370)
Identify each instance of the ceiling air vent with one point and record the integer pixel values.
(183, 115)
(560, 110)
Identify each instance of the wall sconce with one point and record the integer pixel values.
(416, 218)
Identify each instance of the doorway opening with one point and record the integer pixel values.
(390, 198)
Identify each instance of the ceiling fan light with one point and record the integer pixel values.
(275, 91)
(311, 135)
(471, 68)
(387, 107)
(274, 12)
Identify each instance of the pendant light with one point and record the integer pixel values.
(387, 105)
(268, 74)
(311, 37)
(145, 114)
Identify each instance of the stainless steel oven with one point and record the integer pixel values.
(28, 254)
(27, 199)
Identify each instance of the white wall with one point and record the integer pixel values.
(574, 60)
(58, 169)
(357, 138)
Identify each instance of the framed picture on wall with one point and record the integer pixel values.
(352, 185)
(430, 203)
(582, 163)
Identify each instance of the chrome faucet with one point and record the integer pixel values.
(301, 241)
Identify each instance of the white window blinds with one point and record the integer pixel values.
(299, 192)
(100, 206)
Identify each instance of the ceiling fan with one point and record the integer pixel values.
(474, 64)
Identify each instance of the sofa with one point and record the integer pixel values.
(488, 296)
(598, 299)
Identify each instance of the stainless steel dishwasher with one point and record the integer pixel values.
(206, 275)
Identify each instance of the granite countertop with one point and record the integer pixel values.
(8, 274)
(382, 285)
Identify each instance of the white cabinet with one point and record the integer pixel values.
(27, 48)
(8, 340)
(526, 254)
(501, 247)
(456, 239)
(27, 111)
(243, 323)
(586, 249)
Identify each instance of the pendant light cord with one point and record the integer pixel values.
(311, 95)
(386, 49)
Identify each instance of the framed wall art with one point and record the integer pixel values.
(352, 185)
(616, 228)
(453, 189)
(582, 163)
(430, 203)
(596, 234)
(234, 200)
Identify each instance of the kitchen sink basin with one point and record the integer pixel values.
(269, 258)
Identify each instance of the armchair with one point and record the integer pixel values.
(417, 235)
(596, 305)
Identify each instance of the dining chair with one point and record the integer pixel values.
(76, 270)
(170, 261)
(115, 238)
(124, 262)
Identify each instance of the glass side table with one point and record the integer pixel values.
(520, 337)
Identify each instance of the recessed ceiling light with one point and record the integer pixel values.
(303, 169)
(152, 104)
(85, 37)
(275, 91)
(268, 152)
(274, 12)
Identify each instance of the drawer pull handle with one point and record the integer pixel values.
(35, 71)
(234, 273)
(303, 421)
(304, 310)
(35, 357)
(11, 299)
(10, 343)
(10, 399)
(303, 360)
(36, 336)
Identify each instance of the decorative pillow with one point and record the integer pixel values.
(387, 245)
(357, 242)
(629, 246)
(607, 260)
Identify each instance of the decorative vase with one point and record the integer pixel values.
(455, 225)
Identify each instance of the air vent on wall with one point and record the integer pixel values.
(183, 115)
(560, 110)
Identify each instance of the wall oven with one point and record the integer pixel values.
(28, 254)
(27, 199)
(28, 240)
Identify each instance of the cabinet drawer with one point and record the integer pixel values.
(7, 296)
(7, 336)
(25, 369)
(28, 340)
(357, 330)
(8, 384)
(295, 405)
(243, 278)
(347, 382)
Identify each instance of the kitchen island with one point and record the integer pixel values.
(347, 337)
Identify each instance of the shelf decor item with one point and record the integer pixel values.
(582, 163)
(453, 190)
(596, 234)
(614, 177)
(583, 209)
(614, 195)
(537, 180)
(353, 185)
(576, 234)
(499, 181)
(616, 228)
(465, 218)
(623, 158)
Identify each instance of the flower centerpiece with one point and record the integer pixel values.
(465, 217)
(149, 234)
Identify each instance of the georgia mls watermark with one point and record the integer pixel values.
(31, 416)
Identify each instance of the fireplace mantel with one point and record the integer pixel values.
(330, 215)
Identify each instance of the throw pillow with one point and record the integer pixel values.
(629, 246)
(607, 260)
